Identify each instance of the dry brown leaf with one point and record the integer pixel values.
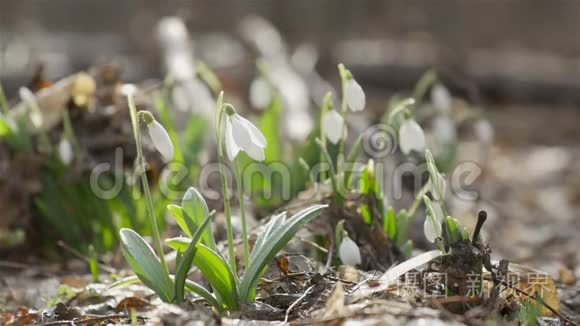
(282, 262)
(537, 284)
(132, 303)
(334, 304)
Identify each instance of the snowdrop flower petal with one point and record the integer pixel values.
(260, 93)
(255, 152)
(444, 129)
(36, 118)
(441, 98)
(349, 252)
(484, 131)
(26, 95)
(432, 231)
(355, 96)
(437, 207)
(65, 152)
(256, 135)
(241, 134)
(128, 89)
(232, 149)
(333, 124)
(411, 137)
(298, 124)
(160, 139)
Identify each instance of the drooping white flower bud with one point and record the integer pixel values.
(484, 131)
(241, 134)
(128, 89)
(333, 125)
(441, 98)
(355, 96)
(444, 129)
(411, 137)
(349, 252)
(160, 139)
(260, 93)
(65, 151)
(26, 95)
(432, 230)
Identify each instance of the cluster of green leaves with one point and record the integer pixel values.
(375, 207)
(80, 218)
(68, 205)
(199, 249)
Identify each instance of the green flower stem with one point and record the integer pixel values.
(423, 85)
(225, 189)
(43, 139)
(345, 75)
(333, 176)
(3, 101)
(240, 188)
(325, 107)
(69, 132)
(400, 107)
(209, 77)
(141, 165)
(418, 200)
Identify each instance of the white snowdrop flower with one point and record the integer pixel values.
(333, 124)
(172, 29)
(432, 231)
(30, 100)
(242, 135)
(160, 139)
(349, 252)
(180, 66)
(441, 98)
(181, 98)
(128, 89)
(260, 93)
(26, 95)
(298, 124)
(355, 96)
(444, 129)
(65, 151)
(411, 137)
(484, 131)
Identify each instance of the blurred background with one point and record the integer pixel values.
(517, 50)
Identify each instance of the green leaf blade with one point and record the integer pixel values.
(195, 210)
(214, 267)
(185, 262)
(271, 246)
(146, 264)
